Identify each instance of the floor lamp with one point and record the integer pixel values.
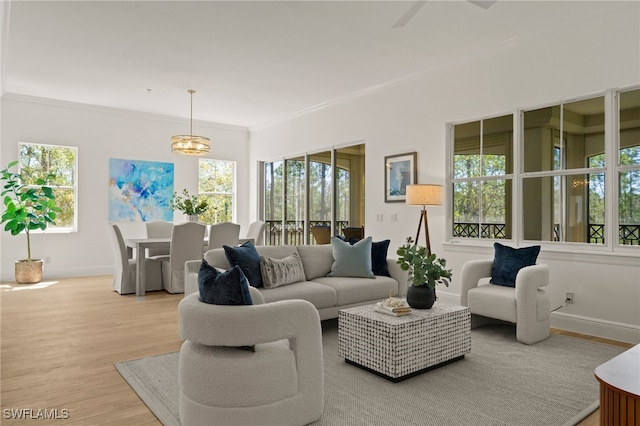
(424, 195)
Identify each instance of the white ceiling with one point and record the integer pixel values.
(250, 63)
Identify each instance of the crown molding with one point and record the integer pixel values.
(89, 107)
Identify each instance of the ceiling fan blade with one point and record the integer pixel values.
(485, 4)
(409, 14)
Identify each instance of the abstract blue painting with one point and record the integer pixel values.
(140, 191)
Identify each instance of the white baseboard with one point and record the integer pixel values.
(91, 271)
(596, 327)
(579, 324)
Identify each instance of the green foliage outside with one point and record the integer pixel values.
(216, 187)
(467, 195)
(320, 191)
(629, 203)
(41, 161)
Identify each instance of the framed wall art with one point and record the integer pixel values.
(140, 191)
(399, 171)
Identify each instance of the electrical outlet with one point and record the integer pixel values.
(394, 217)
(47, 260)
(568, 297)
(379, 217)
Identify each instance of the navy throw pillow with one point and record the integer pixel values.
(248, 259)
(508, 261)
(223, 288)
(379, 251)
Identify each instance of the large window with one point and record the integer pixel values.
(323, 189)
(482, 178)
(38, 161)
(217, 183)
(564, 164)
(566, 170)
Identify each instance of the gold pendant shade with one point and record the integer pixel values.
(190, 144)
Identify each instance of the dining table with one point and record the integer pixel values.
(140, 245)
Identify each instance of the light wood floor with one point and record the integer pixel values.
(59, 340)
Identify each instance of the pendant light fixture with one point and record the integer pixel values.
(190, 144)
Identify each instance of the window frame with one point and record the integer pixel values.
(612, 169)
(335, 224)
(481, 178)
(234, 184)
(52, 228)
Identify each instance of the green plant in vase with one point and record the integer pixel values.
(191, 205)
(426, 269)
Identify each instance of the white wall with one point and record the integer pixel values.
(101, 134)
(581, 58)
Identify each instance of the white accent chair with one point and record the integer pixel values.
(124, 275)
(256, 233)
(158, 229)
(527, 305)
(224, 233)
(281, 383)
(186, 244)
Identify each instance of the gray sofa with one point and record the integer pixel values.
(327, 294)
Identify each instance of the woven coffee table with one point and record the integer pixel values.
(401, 347)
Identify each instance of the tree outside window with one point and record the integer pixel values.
(38, 161)
(216, 183)
(482, 161)
(566, 166)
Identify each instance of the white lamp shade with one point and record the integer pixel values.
(424, 195)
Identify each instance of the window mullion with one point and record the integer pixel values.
(480, 183)
(516, 187)
(611, 173)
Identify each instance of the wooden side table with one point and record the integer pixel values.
(620, 389)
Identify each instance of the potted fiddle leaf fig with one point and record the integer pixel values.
(27, 208)
(426, 269)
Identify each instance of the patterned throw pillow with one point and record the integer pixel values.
(223, 288)
(351, 260)
(508, 261)
(248, 259)
(278, 272)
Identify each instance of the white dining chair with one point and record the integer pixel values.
(225, 233)
(124, 274)
(186, 244)
(158, 229)
(130, 230)
(256, 233)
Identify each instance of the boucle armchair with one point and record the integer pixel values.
(281, 383)
(527, 305)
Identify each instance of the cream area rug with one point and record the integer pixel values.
(501, 382)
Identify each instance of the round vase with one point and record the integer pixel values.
(28, 272)
(421, 297)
